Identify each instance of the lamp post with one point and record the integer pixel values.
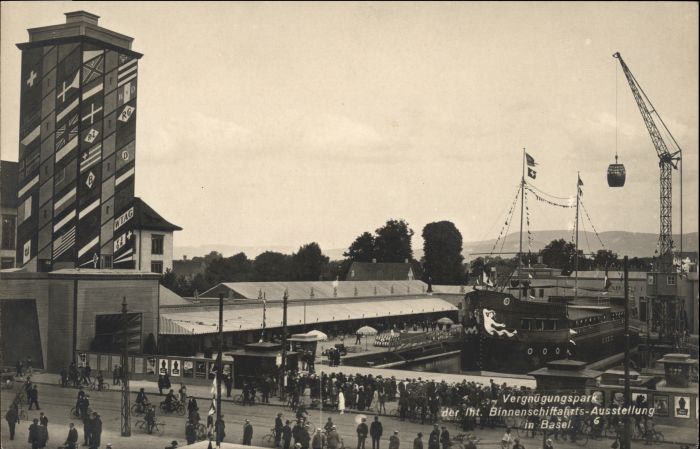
(283, 366)
(626, 436)
(125, 425)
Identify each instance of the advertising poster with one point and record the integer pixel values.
(175, 368)
(151, 365)
(681, 406)
(200, 369)
(188, 368)
(660, 405)
(163, 367)
(138, 365)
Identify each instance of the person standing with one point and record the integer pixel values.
(34, 434)
(506, 439)
(33, 398)
(190, 433)
(418, 441)
(434, 438)
(375, 431)
(362, 431)
(394, 441)
(319, 440)
(220, 429)
(341, 402)
(445, 438)
(12, 418)
(72, 439)
(279, 426)
(286, 435)
(333, 439)
(96, 431)
(43, 420)
(247, 433)
(87, 429)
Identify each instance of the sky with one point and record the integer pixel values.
(285, 123)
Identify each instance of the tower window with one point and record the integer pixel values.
(156, 267)
(156, 244)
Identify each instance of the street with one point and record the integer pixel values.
(56, 403)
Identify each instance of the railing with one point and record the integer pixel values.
(403, 341)
(593, 328)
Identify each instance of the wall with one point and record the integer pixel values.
(143, 250)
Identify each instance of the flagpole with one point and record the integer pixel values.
(522, 209)
(578, 196)
(219, 371)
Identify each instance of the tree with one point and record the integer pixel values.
(604, 259)
(237, 268)
(272, 266)
(442, 249)
(309, 262)
(393, 242)
(362, 249)
(169, 280)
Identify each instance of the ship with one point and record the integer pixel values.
(505, 334)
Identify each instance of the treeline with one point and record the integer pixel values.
(561, 255)
(442, 262)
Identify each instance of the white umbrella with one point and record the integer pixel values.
(366, 330)
(320, 336)
(445, 320)
(359, 418)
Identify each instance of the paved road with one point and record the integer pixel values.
(56, 402)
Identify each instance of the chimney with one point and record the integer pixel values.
(81, 17)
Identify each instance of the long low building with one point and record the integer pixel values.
(188, 325)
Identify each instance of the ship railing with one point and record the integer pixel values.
(598, 327)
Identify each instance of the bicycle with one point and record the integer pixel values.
(157, 427)
(269, 438)
(175, 407)
(140, 409)
(75, 412)
(202, 432)
(95, 386)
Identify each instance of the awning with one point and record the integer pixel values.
(195, 321)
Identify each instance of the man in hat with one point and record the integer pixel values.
(418, 441)
(434, 438)
(319, 440)
(517, 444)
(362, 431)
(190, 432)
(279, 425)
(394, 441)
(286, 434)
(72, 439)
(333, 439)
(375, 431)
(96, 431)
(247, 433)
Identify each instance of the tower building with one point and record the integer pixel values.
(76, 147)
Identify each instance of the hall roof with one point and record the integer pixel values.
(204, 320)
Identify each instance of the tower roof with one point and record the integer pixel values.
(147, 218)
(79, 26)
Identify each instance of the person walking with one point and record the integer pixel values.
(375, 431)
(362, 431)
(418, 441)
(33, 398)
(506, 440)
(220, 429)
(341, 402)
(12, 418)
(43, 420)
(87, 429)
(190, 433)
(247, 433)
(279, 426)
(72, 439)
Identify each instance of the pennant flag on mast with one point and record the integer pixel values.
(530, 160)
(580, 184)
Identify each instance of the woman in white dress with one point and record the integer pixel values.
(341, 402)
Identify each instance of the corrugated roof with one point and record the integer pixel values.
(204, 321)
(8, 184)
(321, 289)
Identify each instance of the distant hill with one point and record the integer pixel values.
(633, 244)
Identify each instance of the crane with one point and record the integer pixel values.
(668, 161)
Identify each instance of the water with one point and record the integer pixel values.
(446, 365)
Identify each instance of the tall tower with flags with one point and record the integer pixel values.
(76, 146)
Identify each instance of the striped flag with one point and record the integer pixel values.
(64, 242)
(212, 408)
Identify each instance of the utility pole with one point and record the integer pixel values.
(522, 212)
(626, 443)
(126, 427)
(283, 367)
(578, 201)
(219, 371)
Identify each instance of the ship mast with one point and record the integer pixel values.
(522, 209)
